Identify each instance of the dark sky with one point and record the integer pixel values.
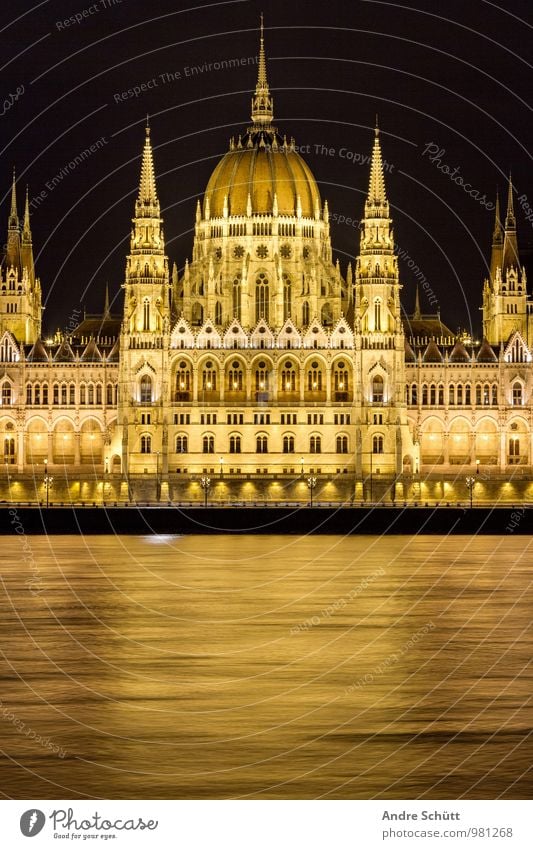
(458, 79)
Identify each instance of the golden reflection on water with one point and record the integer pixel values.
(266, 667)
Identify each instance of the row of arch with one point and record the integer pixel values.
(233, 444)
(458, 394)
(64, 443)
(461, 442)
(65, 394)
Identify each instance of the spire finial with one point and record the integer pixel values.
(13, 215)
(376, 128)
(262, 106)
(106, 302)
(26, 231)
(417, 314)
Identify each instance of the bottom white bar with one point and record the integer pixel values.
(266, 824)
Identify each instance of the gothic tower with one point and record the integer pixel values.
(20, 290)
(505, 291)
(383, 435)
(144, 341)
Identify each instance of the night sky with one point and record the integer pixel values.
(459, 82)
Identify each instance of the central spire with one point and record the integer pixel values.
(262, 103)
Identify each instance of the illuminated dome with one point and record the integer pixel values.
(261, 166)
(261, 171)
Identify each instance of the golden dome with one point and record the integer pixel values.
(261, 171)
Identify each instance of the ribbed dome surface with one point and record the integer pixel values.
(261, 171)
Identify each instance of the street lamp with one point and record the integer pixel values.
(221, 461)
(471, 482)
(302, 465)
(205, 483)
(48, 481)
(311, 483)
(106, 471)
(477, 467)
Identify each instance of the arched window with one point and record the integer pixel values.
(451, 395)
(468, 394)
(6, 393)
(441, 395)
(326, 315)
(517, 394)
(183, 381)
(433, 395)
(261, 445)
(235, 377)
(262, 297)
(340, 378)
(72, 393)
(28, 394)
(64, 395)
(45, 394)
(479, 400)
(424, 395)
(90, 394)
(314, 378)
(237, 297)
(414, 394)
(197, 315)
(459, 394)
(288, 377)
(182, 444)
(377, 314)
(208, 444)
(288, 444)
(315, 445)
(377, 389)
(261, 378)
(235, 444)
(37, 393)
(342, 445)
(494, 394)
(83, 394)
(377, 444)
(218, 313)
(287, 296)
(98, 393)
(109, 394)
(209, 377)
(146, 389)
(146, 444)
(146, 314)
(305, 313)
(9, 450)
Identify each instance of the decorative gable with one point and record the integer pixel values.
(9, 350)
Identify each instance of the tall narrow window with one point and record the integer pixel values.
(146, 389)
(377, 314)
(218, 313)
(288, 444)
(6, 394)
(262, 298)
(9, 450)
(181, 444)
(514, 450)
(235, 377)
(209, 444)
(287, 297)
(146, 444)
(261, 446)
(146, 314)
(377, 389)
(342, 445)
(517, 394)
(315, 445)
(235, 445)
(237, 296)
(377, 445)
(305, 313)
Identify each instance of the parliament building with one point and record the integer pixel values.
(264, 372)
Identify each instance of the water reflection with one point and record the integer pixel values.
(271, 666)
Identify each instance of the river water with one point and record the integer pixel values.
(266, 667)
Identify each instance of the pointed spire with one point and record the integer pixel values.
(107, 313)
(13, 215)
(496, 256)
(147, 202)
(376, 188)
(510, 243)
(497, 232)
(417, 315)
(26, 229)
(510, 221)
(262, 104)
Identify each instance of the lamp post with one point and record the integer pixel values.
(311, 483)
(106, 471)
(205, 483)
(48, 481)
(157, 488)
(302, 466)
(471, 482)
(477, 467)
(221, 461)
